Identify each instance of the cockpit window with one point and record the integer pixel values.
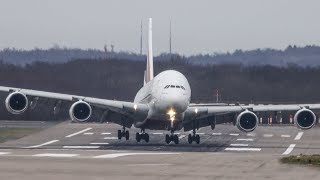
(183, 88)
(177, 86)
(173, 86)
(166, 86)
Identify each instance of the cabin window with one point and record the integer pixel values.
(177, 86)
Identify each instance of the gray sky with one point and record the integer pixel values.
(198, 26)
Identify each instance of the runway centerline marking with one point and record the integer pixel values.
(216, 134)
(234, 134)
(79, 132)
(43, 144)
(289, 149)
(157, 133)
(251, 134)
(285, 136)
(88, 133)
(243, 149)
(268, 135)
(81, 147)
(244, 139)
(240, 145)
(99, 143)
(182, 136)
(298, 136)
(55, 155)
(105, 133)
(109, 156)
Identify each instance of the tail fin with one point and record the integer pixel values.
(149, 70)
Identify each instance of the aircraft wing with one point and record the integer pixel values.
(219, 114)
(122, 108)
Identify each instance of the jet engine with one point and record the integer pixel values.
(16, 102)
(247, 121)
(305, 118)
(80, 111)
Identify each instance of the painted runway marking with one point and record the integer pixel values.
(110, 138)
(101, 143)
(234, 134)
(244, 139)
(268, 135)
(289, 149)
(243, 149)
(43, 144)
(79, 132)
(201, 133)
(240, 145)
(149, 164)
(157, 133)
(285, 136)
(177, 133)
(298, 137)
(109, 156)
(4, 153)
(55, 155)
(182, 136)
(216, 134)
(251, 134)
(81, 147)
(105, 133)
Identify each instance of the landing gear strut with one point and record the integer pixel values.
(142, 135)
(123, 133)
(194, 137)
(173, 137)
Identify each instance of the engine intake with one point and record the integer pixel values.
(80, 111)
(247, 121)
(16, 102)
(305, 119)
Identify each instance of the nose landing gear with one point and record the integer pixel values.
(173, 137)
(194, 137)
(123, 133)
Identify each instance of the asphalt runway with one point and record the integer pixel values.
(83, 151)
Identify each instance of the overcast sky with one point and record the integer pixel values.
(198, 26)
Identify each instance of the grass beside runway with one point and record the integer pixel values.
(7, 134)
(302, 159)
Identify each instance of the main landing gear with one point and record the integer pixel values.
(194, 137)
(142, 135)
(173, 137)
(123, 133)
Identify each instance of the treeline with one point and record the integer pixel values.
(292, 55)
(121, 79)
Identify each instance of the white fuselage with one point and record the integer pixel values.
(169, 90)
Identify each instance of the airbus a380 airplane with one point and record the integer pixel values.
(163, 103)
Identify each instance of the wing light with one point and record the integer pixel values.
(196, 110)
(172, 114)
(135, 107)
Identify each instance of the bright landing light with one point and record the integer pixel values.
(172, 114)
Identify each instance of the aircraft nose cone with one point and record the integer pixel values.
(176, 101)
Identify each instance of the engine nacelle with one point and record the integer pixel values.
(16, 102)
(305, 118)
(80, 111)
(247, 121)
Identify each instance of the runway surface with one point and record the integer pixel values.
(83, 151)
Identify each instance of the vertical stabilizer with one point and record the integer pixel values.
(149, 69)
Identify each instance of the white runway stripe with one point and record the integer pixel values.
(285, 136)
(157, 133)
(4, 153)
(109, 156)
(244, 139)
(182, 136)
(101, 143)
(251, 134)
(110, 138)
(81, 147)
(289, 149)
(298, 137)
(105, 133)
(44, 144)
(55, 155)
(234, 134)
(216, 134)
(268, 135)
(201, 133)
(243, 149)
(79, 132)
(240, 145)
